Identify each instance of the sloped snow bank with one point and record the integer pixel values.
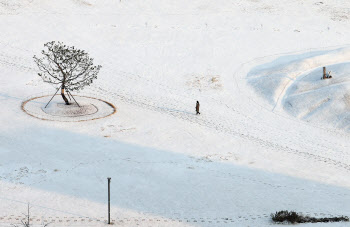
(293, 84)
(316, 100)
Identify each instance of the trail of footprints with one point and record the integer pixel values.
(272, 184)
(142, 102)
(224, 127)
(20, 67)
(227, 221)
(247, 120)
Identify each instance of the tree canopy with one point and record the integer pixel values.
(66, 66)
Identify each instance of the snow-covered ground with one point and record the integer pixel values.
(271, 134)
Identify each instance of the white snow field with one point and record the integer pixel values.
(271, 134)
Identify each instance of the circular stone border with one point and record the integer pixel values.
(45, 119)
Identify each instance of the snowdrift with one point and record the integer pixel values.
(294, 84)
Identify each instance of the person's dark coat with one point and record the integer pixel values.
(197, 107)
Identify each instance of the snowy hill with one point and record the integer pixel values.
(293, 83)
(271, 134)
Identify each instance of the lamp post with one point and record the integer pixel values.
(109, 200)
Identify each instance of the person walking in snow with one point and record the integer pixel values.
(197, 108)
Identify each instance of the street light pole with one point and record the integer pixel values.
(109, 200)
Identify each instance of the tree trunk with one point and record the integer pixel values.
(63, 96)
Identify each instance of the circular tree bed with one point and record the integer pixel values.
(89, 108)
(72, 110)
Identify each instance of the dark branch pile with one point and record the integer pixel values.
(66, 66)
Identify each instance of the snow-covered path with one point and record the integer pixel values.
(235, 164)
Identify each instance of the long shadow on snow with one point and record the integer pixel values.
(155, 181)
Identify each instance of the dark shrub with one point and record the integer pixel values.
(293, 217)
(285, 215)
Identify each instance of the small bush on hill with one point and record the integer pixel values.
(293, 217)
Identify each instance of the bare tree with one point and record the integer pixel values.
(70, 68)
(26, 221)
